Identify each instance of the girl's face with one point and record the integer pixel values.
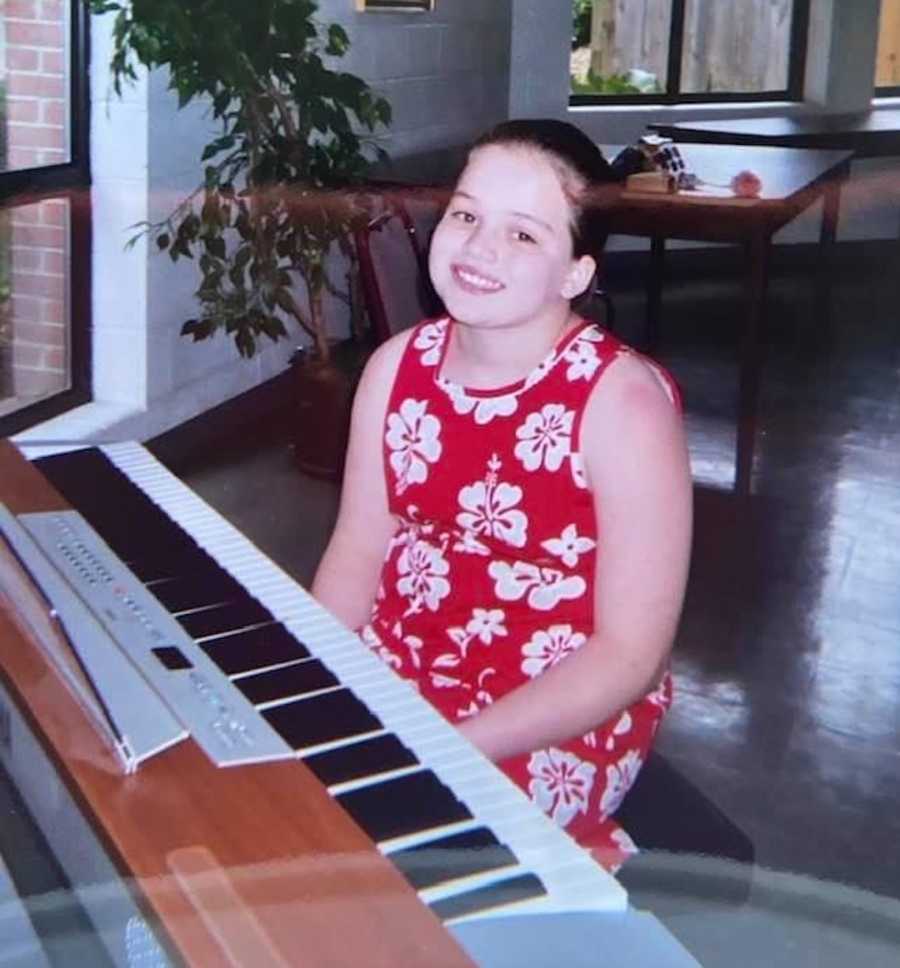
(502, 253)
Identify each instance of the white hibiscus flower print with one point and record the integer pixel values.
(579, 474)
(373, 641)
(468, 544)
(621, 839)
(414, 439)
(660, 697)
(486, 623)
(431, 339)
(582, 359)
(414, 644)
(560, 783)
(545, 437)
(619, 777)
(545, 587)
(569, 545)
(540, 371)
(485, 408)
(622, 728)
(462, 402)
(483, 696)
(489, 508)
(546, 648)
(422, 568)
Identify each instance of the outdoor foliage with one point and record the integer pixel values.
(295, 134)
(613, 84)
(581, 23)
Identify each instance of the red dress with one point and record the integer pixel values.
(489, 578)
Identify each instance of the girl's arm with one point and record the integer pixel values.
(347, 577)
(633, 443)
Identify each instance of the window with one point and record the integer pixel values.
(44, 211)
(670, 51)
(887, 65)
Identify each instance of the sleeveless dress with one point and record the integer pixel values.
(489, 578)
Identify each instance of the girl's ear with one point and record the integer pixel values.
(578, 277)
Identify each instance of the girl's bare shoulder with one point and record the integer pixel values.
(382, 365)
(636, 385)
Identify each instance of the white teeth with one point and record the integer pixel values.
(480, 282)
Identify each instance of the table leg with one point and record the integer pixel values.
(654, 290)
(831, 207)
(751, 358)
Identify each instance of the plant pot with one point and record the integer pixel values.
(323, 397)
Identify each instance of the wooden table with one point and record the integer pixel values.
(792, 180)
(239, 866)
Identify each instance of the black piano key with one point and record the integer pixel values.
(404, 805)
(254, 649)
(221, 619)
(524, 888)
(321, 719)
(187, 592)
(287, 681)
(378, 754)
(460, 855)
(185, 563)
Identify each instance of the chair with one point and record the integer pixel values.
(665, 814)
(392, 250)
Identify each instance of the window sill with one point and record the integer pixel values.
(81, 426)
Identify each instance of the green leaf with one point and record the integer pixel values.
(245, 343)
(215, 245)
(338, 41)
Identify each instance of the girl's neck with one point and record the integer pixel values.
(491, 357)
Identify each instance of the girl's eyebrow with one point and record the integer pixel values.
(460, 193)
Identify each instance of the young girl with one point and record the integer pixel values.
(515, 520)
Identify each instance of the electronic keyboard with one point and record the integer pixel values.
(467, 839)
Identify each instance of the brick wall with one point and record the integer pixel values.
(35, 75)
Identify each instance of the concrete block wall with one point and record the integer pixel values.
(33, 69)
(445, 72)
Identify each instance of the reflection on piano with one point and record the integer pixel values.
(397, 790)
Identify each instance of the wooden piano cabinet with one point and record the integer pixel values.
(228, 861)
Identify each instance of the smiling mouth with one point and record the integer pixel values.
(472, 281)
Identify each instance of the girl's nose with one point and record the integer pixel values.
(482, 242)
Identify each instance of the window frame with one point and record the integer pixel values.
(673, 95)
(885, 90)
(71, 181)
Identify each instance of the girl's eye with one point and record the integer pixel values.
(525, 237)
(463, 216)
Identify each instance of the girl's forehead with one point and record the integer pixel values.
(513, 176)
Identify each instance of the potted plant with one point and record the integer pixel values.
(281, 187)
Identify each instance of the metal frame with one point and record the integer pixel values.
(71, 181)
(673, 93)
(394, 6)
